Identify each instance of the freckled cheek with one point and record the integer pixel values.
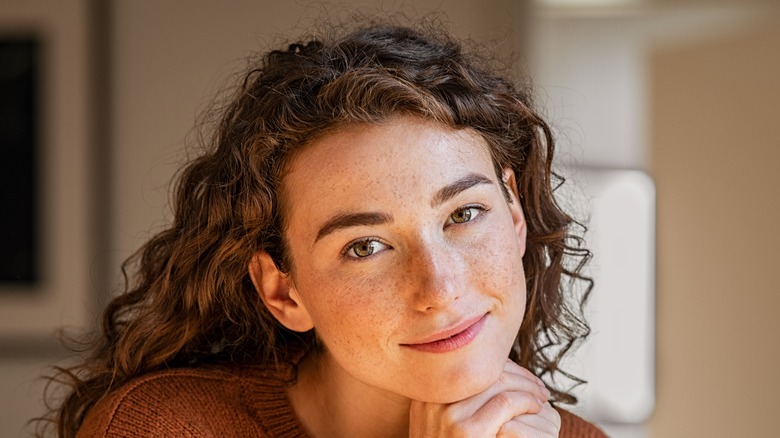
(496, 265)
(351, 312)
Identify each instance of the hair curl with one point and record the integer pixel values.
(189, 300)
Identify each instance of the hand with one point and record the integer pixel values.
(514, 406)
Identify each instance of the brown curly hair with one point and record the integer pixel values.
(189, 300)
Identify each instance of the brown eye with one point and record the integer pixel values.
(461, 216)
(364, 248)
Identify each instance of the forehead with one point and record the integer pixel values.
(369, 166)
(398, 139)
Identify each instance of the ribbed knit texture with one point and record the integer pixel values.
(220, 402)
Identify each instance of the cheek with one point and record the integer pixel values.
(350, 313)
(497, 264)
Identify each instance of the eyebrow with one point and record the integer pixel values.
(449, 191)
(346, 220)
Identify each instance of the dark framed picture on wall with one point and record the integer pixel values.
(19, 128)
(46, 169)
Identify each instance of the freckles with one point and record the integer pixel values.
(496, 268)
(355, 290)
(358, 303)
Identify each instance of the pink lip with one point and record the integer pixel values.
(452, 338)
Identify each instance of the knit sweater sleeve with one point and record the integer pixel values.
(573, 426)
(123, 416)
(176, 404)
(217, 402)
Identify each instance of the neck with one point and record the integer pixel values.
(329, 402)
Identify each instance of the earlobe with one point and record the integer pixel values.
(518, 217)
(278, 293)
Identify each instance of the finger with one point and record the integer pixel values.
(551, 415)
(507, 382)
(517, 429)
(516, 377)
(513, 368)
(547, 420)
(503, 407)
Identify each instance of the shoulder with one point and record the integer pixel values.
(180, 402)
(573, 426)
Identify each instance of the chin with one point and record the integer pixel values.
(463, 384)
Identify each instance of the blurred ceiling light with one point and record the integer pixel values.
(587, 3)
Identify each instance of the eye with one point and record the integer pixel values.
(466, 214)
(363, 248)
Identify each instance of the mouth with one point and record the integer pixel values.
(450, 339)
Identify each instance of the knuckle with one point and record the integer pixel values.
(504, 379)
(448, 417)
(503, 400)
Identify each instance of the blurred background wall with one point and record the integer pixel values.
(687, 91)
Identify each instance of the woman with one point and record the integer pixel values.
(369, 247)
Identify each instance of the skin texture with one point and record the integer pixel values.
(434, 248)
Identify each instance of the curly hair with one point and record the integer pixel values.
(188, 298)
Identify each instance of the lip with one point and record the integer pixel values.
(452, 338)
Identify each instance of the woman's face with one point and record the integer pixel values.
(407, 257)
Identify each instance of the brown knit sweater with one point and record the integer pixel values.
(220, 402)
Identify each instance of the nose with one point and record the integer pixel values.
(437, 276)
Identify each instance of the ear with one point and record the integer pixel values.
(278, 293)
(518, 218)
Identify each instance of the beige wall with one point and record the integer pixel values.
(715, 156)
